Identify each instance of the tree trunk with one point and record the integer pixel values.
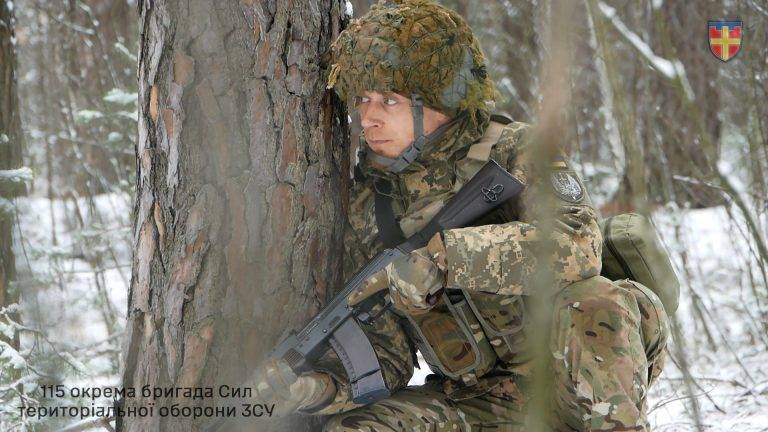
(10, 152)
(10, 120)
(10, 158)
(235, 234)
(693, 150)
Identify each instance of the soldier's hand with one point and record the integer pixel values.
(376, 282)
(572, 220)
(410, 279)
(414, 277)
(275, 382)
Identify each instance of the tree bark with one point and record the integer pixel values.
(10, 152)
(10, 120)
(235, 234)
(11, 140)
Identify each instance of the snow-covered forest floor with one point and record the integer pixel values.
(74, 292)
(724, 338)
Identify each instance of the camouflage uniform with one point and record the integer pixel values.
(607, 338)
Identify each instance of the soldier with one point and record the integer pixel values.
(419, 82)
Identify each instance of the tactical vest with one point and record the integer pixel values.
(463, 336)
(456, 338)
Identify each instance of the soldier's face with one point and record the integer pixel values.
(388, 123)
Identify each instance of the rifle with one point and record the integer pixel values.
(338, 325)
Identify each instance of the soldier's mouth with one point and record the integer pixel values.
(377, 142)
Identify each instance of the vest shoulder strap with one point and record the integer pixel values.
(481, 150)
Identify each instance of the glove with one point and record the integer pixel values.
(572, 220)
(410, 278)
(275, 382)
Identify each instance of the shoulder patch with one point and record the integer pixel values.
(567, 186)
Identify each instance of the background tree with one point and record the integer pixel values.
(77, 87)
(12, 177)
(238, 179)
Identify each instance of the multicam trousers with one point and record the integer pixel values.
(607, 346)
(426, 408)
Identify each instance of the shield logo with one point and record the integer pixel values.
(725, 38)
(566, 186)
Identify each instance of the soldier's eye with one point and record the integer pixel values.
(361, 100)
(390, 101)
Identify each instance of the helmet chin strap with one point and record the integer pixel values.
(397, 164)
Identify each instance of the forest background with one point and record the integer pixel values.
(654, 123)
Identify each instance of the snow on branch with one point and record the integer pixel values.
(120, 96)
(17, 175)
(671, 69)
(11, 356)
(6, 206)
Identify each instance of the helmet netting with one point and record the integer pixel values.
(413, 46)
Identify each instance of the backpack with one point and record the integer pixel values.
(632, 250)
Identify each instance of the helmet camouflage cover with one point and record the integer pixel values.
(413, 47)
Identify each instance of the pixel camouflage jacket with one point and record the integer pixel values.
(494, 260)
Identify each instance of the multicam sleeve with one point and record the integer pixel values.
(503, 258)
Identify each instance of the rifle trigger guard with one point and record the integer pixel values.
(368, 318)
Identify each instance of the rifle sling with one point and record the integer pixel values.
(390, 232)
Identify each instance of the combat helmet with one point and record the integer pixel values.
(419, 49)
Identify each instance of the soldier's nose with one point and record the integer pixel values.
(370, 116)
(368, 122)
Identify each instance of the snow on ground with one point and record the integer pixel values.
(62, 298)
(732, 377)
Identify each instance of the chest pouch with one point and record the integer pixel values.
(501, 318)
(451, 339)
